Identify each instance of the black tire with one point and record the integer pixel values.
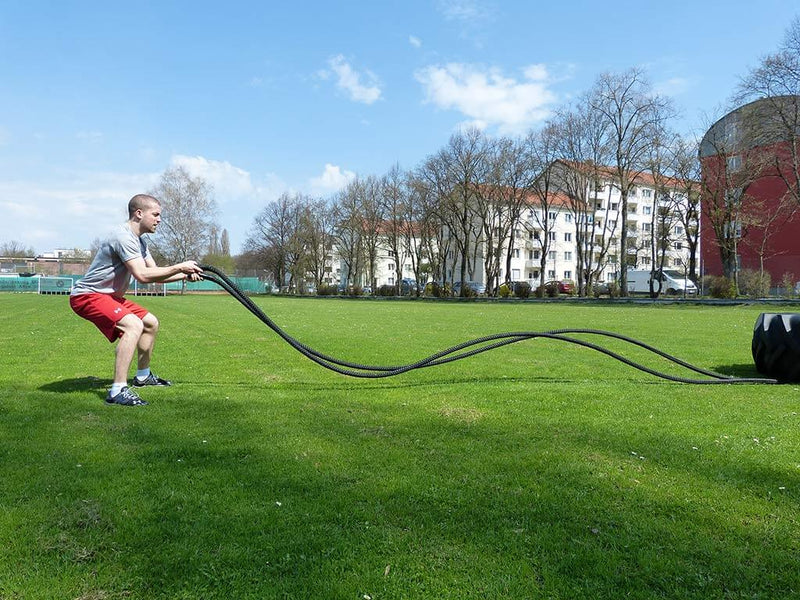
(776, 346)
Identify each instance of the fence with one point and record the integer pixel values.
(63, 285)
(37, 285)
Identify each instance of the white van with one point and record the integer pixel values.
(673, 283)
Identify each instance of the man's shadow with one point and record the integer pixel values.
(78, 384)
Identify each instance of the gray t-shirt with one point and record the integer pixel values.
(108, 274)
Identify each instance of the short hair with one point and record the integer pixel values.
(140, 202)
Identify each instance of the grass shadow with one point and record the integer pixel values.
(78, 384)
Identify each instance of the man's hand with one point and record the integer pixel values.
(192, 270)
(189, 267)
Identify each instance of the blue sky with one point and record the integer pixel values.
(259, 98)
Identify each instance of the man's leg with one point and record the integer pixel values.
(147, 340)
(132, 328)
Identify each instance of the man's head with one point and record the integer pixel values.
(145, 211)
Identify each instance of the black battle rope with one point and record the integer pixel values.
(472, 347)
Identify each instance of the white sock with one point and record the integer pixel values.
(142, 373)
(116, 388)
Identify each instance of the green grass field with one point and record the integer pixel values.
(539, 470)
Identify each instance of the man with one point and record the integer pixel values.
(100, 296)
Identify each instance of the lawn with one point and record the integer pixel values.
(538, 470)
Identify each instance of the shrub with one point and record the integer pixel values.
(720, 287)
(754, 283)
(327, 290)
(436, 290)
(504, 291)
(522, 289)
(551, 289)
(787, 285)
(466, 292)
(386, 290)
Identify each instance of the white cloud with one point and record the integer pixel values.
(70, 212)
(91, 136)
(463, 10)
(333, 179)
(239, 195)
(674, 86)
(226, 179)
(486, 96)
(415, 41)
(350, 80)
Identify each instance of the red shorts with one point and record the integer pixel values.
(105, 311)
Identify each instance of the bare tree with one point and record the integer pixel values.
(455, 172)
(582, 176)
(774, 123)
(726, 176)
(666, 207)
(189, 215)
(394, 199)
(634, 115)
(317, 230)
(424, 231)
(687, 173)
(348, 218)
(15, 249)
(545, 149)
(274, 235)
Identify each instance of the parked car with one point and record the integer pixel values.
(410, 286)
(560, 287)
(672, 282)
(477, 288)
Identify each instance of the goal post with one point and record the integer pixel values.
(149, 289)
(47, 284)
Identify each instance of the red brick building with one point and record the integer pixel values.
(750, 209)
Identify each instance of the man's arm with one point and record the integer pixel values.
(146, 271)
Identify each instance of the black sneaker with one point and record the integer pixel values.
(126, 397)
(151, 379)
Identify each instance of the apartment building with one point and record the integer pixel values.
(548, 235)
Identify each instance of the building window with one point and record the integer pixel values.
(536, 255)
(568, 218)
(678, 230)
(391, 266)
(567, 237)
(734, 162)
(567, 255)
(647, 227)
(516, 252)
(515, 274)
(552, 216)
(647, 210)
(647, 193)
(551, 235)
(678, 246)
(614, 205)
(567, 274)
(551, 274)
(551, 255)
